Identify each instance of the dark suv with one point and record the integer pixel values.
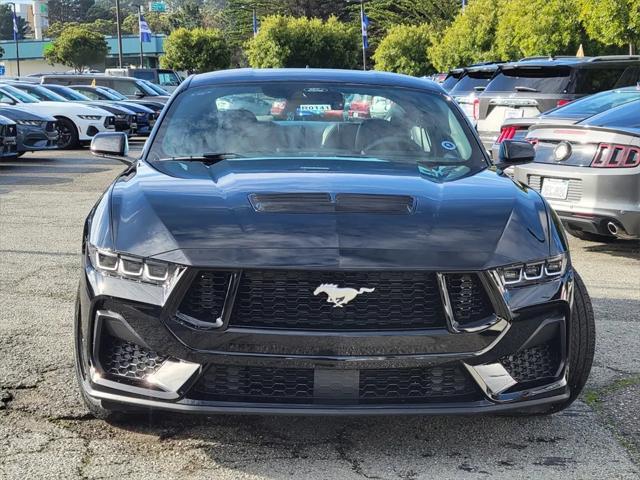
(534, 85)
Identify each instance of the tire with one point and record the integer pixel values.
(581, 344)
(592, 237)
(68, 134)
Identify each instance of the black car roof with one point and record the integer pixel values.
(373, 78)
(574, 62)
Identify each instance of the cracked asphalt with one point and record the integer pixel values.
(45, 432)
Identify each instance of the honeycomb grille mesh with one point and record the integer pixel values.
(469, 299)
(257, 384)
(411, 385)
(126, 359)
(296, 385)
(532, 364)
(205, 298)
(285, 299)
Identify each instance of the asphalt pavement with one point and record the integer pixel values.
(45, 432)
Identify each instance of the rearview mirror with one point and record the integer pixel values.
(514, 152)
(111, 145)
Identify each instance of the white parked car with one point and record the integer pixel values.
(77, 123)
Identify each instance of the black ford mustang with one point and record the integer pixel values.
(324, 263)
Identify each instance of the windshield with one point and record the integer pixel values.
(317, 120)
(450, 81)
(159, 90)
(68, 93)
(597, 103)
(531, 79)
(141, 84)
(624, 116)
(111, 94)
(19, 94)
(41, 93)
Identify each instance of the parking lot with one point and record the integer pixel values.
(45, 432)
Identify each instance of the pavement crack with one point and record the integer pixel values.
(343, 446)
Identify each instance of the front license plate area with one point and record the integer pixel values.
(339, 386)
(555, 188)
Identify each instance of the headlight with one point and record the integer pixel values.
(121, 116)
(141, 115)
(133, 268)
(532, 272)
(33, 123)
(90, 117)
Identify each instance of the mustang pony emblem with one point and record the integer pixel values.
(340, 296)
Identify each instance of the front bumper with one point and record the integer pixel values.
(335, 364)
(596, 196)
(35, 138)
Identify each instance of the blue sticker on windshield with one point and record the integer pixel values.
(447, 145)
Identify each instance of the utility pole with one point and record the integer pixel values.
(119, 33)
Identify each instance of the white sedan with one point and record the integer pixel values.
(77, 123)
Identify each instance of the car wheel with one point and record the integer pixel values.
(67, 134)
(592, 237)
(582, 342)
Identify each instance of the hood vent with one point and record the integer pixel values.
(324, 203)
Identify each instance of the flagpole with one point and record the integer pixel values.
(119, 33)
(364, 49)
(140, 35)
(15, 36)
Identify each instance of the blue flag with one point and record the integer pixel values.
(16, 32)
(365, 27)
(145, 31)
(256, 25)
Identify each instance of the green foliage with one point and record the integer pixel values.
(158, 23)
(198, 50)
(105, 27)
(299, 42)
(77, 47)
(6, 24)
(470, 38)
(404, 50)
(611, 22)
(69, 10)
(555, 31)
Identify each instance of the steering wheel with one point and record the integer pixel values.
(397, 140)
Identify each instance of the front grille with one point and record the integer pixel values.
(257, 384)
(574, 192)
(324, 203)
(285, 299)
(297, 385)
(416, 385)
(469, 299)
(126, 359)
(205, 298)
(531, 364)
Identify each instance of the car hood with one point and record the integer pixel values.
(15, 113)
(66, 108)
(197, 215)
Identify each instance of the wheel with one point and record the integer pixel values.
(592, 237)
(68, 134)
(582, 342)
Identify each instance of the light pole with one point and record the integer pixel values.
(15, 35)
(140, 35)
(119, 33)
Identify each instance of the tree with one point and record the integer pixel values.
(300, 42)
(198, 50)
(612, 22)
(158, 23)
(77, 47)
(69, 10)
(470, 38)
(404, 50)
(6, 24)
(105, 27)
(555, 31)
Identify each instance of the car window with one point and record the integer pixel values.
(19, 94)
(125, 87)
(531, 79)
(450, 82)
(594, 80)
(42, 93)
(168, 78)
(629, 78)
(91, 94)
(470, 81)
(68, 93)
(145, 75)
(310, 121)
(624, 116)
(596, 103)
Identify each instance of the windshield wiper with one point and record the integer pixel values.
(522, 88)
(209, 158)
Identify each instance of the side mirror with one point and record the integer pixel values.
(7, 101)
(139, 94)
(514, 152)
(111, 145)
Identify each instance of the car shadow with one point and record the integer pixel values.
(618, 248)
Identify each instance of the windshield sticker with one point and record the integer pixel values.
(447, 145)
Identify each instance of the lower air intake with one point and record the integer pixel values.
(126, 359)
(535, 363)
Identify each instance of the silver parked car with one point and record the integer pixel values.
(590, 172)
